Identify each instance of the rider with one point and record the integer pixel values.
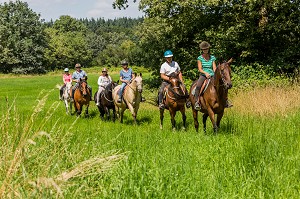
(125, 78)
(103, 80)
(166, 69)
(77, 75)
(67, 77)
(207, 67)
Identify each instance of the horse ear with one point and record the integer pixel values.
(141, 74)
(118, 81)
(230, 60)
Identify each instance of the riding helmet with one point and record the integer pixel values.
(104, 70)
(66, 70)
(204, 45)
(168, 53)
(77, 65)
(124, 62)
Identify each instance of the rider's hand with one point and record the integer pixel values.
(207, 75)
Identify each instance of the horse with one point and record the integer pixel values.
(174, 100)
(106, 101)
(131, 97)
(82, 96)
(213, 100)
(66, 97)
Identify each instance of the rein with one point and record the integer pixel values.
(177, 96)
(103, 94)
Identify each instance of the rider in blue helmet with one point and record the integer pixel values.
(167, 68)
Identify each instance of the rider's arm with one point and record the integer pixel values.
(214, 66)
(201, 69)
(164, 77)
(180, 76)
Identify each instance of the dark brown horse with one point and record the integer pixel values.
(82, 96)
(213, 100)
(174, 101)
(106, 101)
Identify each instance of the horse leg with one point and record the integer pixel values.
(114, 113)
(212, 118)
(173, 114)
(130, 107)
(195, 116)
(161, 117)
(219, 117)
(182, 110)
(204, 118)
(102, 113)
(67, 106)
(107, 113)
(121, 114)
(87, 111)
(70, 112)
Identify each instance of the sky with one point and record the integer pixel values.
(53, 9)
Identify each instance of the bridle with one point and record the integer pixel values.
(178, 96)
(222, 74)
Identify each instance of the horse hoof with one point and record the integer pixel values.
(183, 128)
(174, 129)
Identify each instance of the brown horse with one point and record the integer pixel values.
(82, 96)
(174, 100)
(213, 100)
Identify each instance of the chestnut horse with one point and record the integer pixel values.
(82, 96)
(106, 101)
(174, 100)
(213, 100)
(131, 97)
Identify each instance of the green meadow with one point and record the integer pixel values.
(46, 153)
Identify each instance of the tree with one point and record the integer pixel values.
(68, 43)
(251, 31)
(22, 40)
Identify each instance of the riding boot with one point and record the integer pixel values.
(197, 103)
(160, 100)
(228, 104)
(73, 92)
(120, 98)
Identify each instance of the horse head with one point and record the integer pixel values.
(224, 71)
(83, 87)
(138, 80)
(176, 84)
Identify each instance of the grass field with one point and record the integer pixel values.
(48, 154)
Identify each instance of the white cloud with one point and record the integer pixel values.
(53, 9)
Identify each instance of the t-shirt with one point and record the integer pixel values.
(126, 75)
(81, 74)
(168, 69)
(67, 78)
(104, 80)
(207, 65)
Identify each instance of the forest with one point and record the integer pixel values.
(258, 35)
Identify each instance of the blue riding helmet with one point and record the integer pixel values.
(66, 70)
(168, 53)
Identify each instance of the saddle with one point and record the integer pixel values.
(203, 87)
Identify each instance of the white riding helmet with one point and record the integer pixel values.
(66, 70)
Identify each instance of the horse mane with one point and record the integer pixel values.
(173, 75)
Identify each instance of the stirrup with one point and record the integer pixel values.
(188, 104)
(119, 100)
(197, 106)
(161, 106)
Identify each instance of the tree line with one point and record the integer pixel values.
(255, 33)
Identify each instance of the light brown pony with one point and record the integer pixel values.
(131, 97)
(213, 100)
(82, 96)
(174, 100)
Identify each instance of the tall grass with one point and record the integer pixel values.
(255, 154)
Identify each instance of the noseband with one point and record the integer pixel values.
(222, 74)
